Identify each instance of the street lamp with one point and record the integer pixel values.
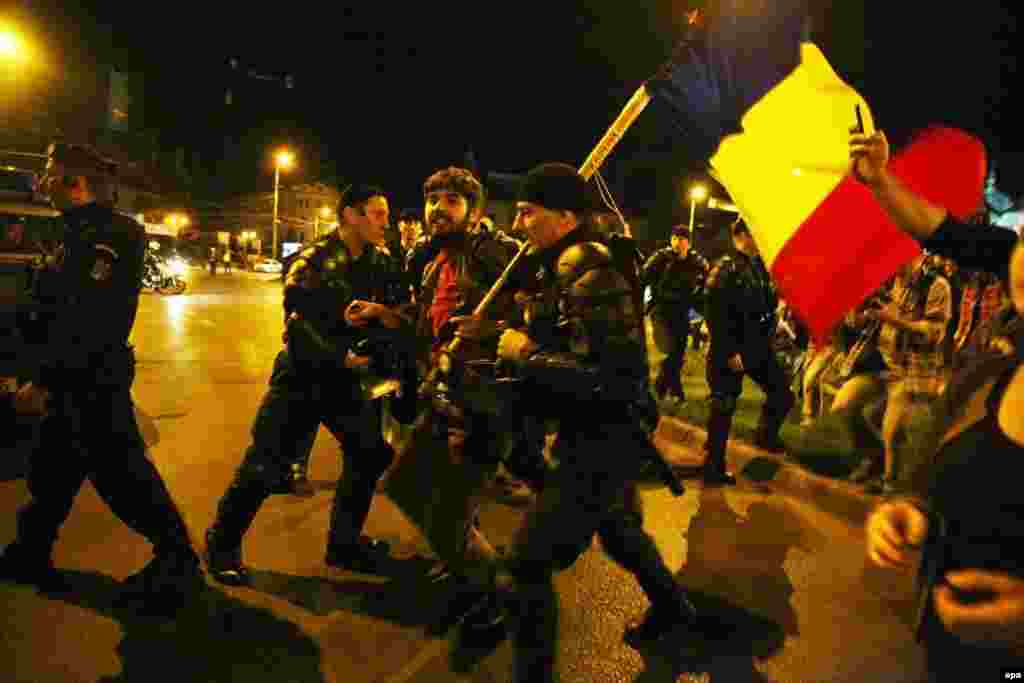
(10, 46)
(697, 194)
(282, 160)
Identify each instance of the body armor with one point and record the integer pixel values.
(677, 283)
(741, 304)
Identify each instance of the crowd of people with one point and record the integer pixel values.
(533, 356)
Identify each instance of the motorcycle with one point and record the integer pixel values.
(164, 276)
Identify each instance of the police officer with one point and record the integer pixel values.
(333, 297)
(82, 388)
(581, 359)
(676, 276)
(741, 304)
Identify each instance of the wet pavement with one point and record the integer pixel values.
(790, 577)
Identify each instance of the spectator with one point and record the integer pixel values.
(969, 512)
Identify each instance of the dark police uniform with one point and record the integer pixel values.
(90, 295)
(677, 285)
(591, 373)
(310, 386)
(741, 307)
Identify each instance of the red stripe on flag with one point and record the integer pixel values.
(849, 246)
(844, 250)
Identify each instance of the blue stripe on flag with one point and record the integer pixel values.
(745, 48)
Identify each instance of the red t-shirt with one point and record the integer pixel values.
(446, 294)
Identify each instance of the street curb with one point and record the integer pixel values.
(680, 444)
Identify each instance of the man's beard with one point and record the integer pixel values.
(441, 223)
(446, 232)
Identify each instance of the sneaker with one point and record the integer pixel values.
(660, 621)
(20, 566)
(225, 565)
(369, 556)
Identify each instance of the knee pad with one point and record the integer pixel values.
(723, 404)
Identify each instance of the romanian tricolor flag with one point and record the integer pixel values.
(774, 119)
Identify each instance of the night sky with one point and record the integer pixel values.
(393, 90)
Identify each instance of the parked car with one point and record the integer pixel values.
(267, 265)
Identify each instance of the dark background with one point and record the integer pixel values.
(390, 91)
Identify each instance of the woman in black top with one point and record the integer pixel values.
(972, 510)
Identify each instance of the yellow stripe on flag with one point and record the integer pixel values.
(793, 151)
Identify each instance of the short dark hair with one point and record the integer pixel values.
(410, 216)
(357, 195)
(460, 181)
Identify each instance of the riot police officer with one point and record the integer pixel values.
(741, 304)
(81, 386)
(334, 295)
(581, 359)
(676, 276)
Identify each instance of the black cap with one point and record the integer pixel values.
(681, 230)
(557, 187)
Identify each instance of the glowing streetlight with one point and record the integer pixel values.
(10, 45)
(284, 159)
(698, 193)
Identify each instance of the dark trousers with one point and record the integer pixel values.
(671, 333)
(93, 435)
(726, 385)
(592, 491)
(295, 404)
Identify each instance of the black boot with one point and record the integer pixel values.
(773, 413)
(166, 584)
(20, 564)
(225, 564)
(298, 481)
(662, 619)
(715, 473)
(235, 513)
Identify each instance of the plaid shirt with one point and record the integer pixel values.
(921, 360)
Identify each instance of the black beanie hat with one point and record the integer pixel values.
(555, 186)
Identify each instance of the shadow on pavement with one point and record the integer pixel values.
(732, 561)
(726, 652)
(409, 599)
(219, 639)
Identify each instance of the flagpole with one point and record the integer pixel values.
(637, 103)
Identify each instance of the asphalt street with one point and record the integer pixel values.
(789, 577)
